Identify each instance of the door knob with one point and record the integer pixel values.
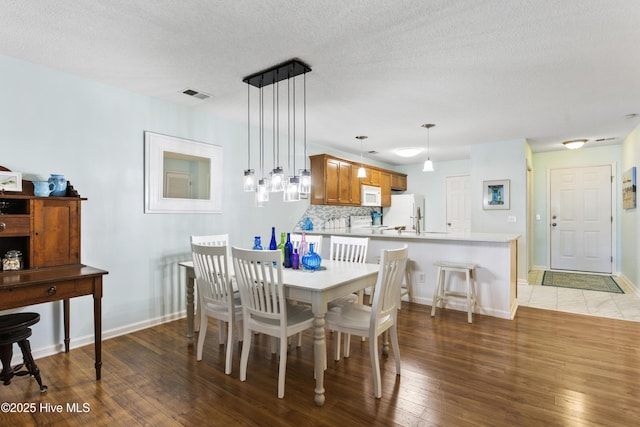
(553, 224)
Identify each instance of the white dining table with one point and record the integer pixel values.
(334, 280)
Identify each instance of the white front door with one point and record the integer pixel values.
(581, 219)
(458, 203)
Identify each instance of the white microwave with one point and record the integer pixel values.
(370, 196)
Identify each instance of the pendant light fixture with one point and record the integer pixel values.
(428, 164)
(305, 174)
(291, 186)
(249, 178)
(362, 172)
(277, 175)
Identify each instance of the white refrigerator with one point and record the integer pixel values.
(404, 211)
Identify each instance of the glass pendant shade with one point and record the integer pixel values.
(277, 180)
(292, 190)
(428, 166)
(362, 173)
(262, 191)
(305, 182)
(249, 181)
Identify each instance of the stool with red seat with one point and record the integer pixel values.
(14, 328)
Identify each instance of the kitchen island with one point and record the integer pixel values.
(495, 253)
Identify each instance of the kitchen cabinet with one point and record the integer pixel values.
(398, 182)
(385, 188)
(372, 178)
(46, 230)
(335, 181)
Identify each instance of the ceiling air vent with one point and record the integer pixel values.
(372, 152)
(196, 94)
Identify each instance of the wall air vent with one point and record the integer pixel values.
(196, 94)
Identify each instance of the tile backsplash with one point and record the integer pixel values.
(319, 214)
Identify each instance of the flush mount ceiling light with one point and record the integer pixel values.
(362, 173)
(428, 164)
(408, 151)
(574, 144)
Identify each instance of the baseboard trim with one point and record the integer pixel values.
(108, 334)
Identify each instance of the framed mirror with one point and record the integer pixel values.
(181, 175)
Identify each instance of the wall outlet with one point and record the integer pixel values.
(420, 277)
(511, 218)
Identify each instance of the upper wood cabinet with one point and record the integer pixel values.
(335, 181)
(398, 182)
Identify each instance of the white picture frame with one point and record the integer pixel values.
(496, 194)
(168, 156)
(10, 181)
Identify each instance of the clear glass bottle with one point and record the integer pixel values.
(257, 244)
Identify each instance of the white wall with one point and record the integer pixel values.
(629, 219)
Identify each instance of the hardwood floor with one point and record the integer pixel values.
(543, 368)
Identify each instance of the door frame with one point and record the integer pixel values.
(614, 212)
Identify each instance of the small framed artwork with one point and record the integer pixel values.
(10, 181)
(629, 189)
(496, 194)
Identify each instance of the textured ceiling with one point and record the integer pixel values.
(482, 71)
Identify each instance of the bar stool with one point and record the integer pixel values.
(441, 295)
(14, 328)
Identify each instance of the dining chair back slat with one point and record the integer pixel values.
(350, 249)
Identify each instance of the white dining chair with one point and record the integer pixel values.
(212, 240)
(348, 249)
(215, 296)
(372, 321)
(264, 306)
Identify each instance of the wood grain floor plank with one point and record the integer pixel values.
(543, 368)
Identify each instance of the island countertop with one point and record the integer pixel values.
(385, 233)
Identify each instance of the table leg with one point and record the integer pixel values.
(319, 352)
(190, 307)
(65, 309)
(97, 324)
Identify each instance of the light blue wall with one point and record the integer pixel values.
(52, 122)
(543, 163)
(629, 219)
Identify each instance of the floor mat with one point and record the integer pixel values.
(587, 282)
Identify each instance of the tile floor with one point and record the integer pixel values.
(603, 304)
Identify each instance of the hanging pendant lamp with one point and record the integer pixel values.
(305, 174)
(428, 164)
(249, 183)
(362, 172)
(271, 181)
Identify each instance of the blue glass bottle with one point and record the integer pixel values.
(311, 261)
(257, 245)
(288, 252)
(273, 245)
